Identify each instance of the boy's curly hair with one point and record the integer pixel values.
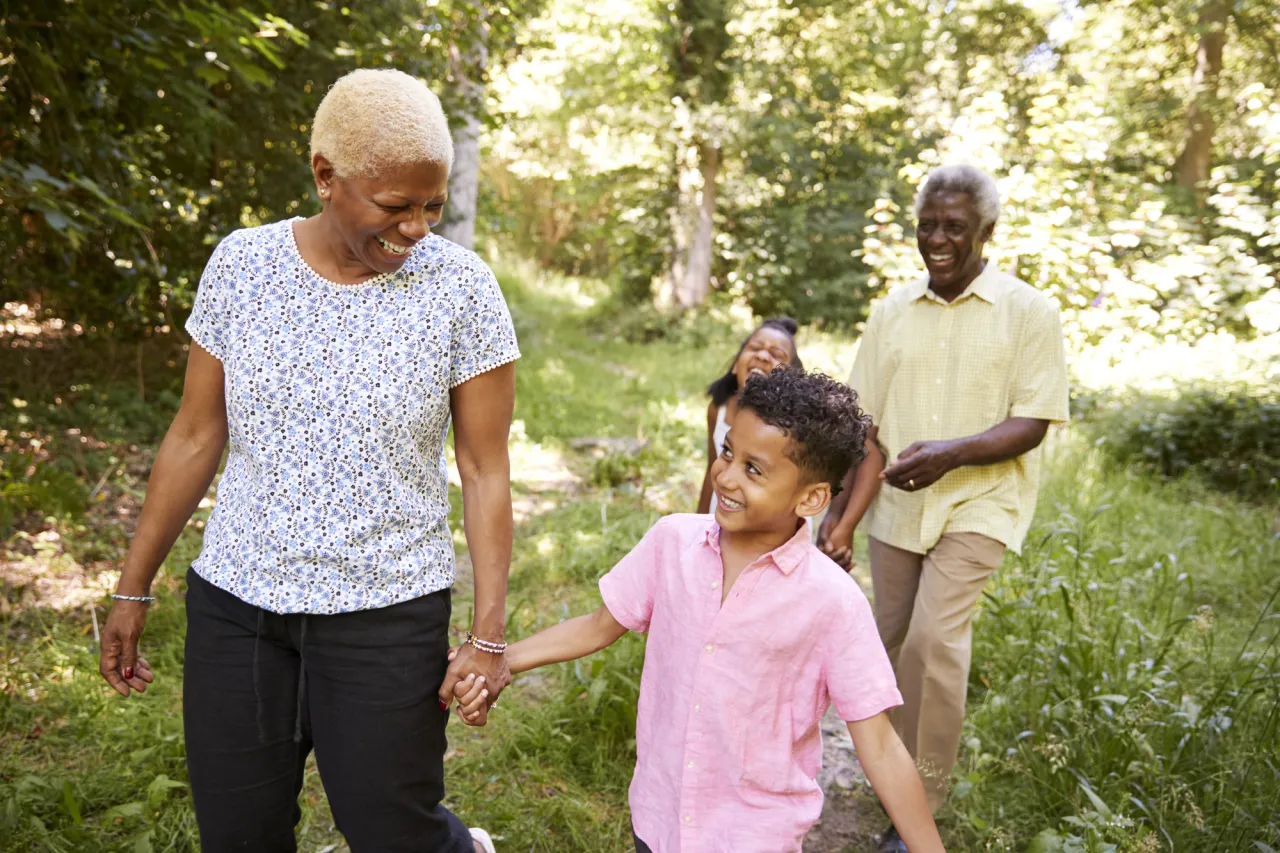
(820, 415)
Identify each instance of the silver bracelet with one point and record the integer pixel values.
(144, 598)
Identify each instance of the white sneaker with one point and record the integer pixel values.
(483, 837)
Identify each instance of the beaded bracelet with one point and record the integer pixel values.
(485, 645)
(143, 598)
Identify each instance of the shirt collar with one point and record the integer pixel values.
(984, 287)
(786, 556)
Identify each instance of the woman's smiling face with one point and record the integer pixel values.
(381, 218)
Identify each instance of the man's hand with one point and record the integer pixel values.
(922, 464)
(836, 542)
(468, 661)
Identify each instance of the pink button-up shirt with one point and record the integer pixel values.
(727, 739)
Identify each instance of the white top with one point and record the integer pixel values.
(717, 438)
(335, 495)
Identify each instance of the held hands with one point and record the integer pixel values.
(836, 542)
(921, 465)
(473, 700)
(119, 662)
(486, 675)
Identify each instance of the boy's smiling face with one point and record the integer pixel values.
(759, 489)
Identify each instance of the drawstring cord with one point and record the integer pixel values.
(257, 690)
(302, 680)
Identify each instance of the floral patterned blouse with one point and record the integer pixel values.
(335, 493)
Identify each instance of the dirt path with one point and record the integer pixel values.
(850, 817)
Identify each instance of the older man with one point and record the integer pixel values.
(962, 372)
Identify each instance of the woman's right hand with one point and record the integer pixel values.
(120, 663)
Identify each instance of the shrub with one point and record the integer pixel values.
(1229, 436)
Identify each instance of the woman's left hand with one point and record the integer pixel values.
(467, 660)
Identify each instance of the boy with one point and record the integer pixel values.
(753, 632)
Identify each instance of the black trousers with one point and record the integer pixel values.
(262, 690)
(641, 847)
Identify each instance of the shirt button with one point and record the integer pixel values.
(697, 708)
(938, 382)
(935, 417)
(708, 648)
(715, 584)
(942, 344)
(688, 819)
(690, 765)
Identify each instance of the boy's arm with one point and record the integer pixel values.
(570, 640)
(893, 776)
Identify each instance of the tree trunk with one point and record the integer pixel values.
(695, 284)
(1192, 167)
(464, 179)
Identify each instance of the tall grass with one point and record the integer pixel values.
(1125, 692)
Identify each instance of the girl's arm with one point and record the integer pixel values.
(704, 499)
(861, 486)
(570, 640)
(893, 776)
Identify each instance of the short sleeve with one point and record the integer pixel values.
(858, 676)
(483, 335)
(867, 379)
(630, 587)
(1040, 388)
(211, 314)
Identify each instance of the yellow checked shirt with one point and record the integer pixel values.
(927, 370)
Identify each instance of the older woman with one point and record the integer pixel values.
(332, 353)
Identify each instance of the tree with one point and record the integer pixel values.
(1192, 167)
(467, 75)
(701, 82)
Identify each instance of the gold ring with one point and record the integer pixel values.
(911, 483)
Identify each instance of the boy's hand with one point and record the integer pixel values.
(473, 700)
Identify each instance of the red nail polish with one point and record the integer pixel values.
(444, 706)
(128, 672)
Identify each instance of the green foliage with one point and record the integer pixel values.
(134, 135)
(1228, 436)
(1124, 683)
(28, 484)
(833, 114)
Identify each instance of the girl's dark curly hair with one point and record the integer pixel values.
(727, 385)
(820, 415)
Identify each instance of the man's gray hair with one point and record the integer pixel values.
(963, 178)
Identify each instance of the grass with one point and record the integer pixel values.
(1124, 693)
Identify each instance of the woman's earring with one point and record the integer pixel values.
(324, 193)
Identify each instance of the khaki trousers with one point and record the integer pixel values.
(924, 610)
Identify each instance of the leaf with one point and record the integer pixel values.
(1264, 848)
(596, 692)
(133, 809)
(1098, 804)
(160, 786)
(1047, 841)
(69, 802)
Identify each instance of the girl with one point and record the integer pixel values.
(773, 343)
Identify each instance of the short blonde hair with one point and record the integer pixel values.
(375, 119)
